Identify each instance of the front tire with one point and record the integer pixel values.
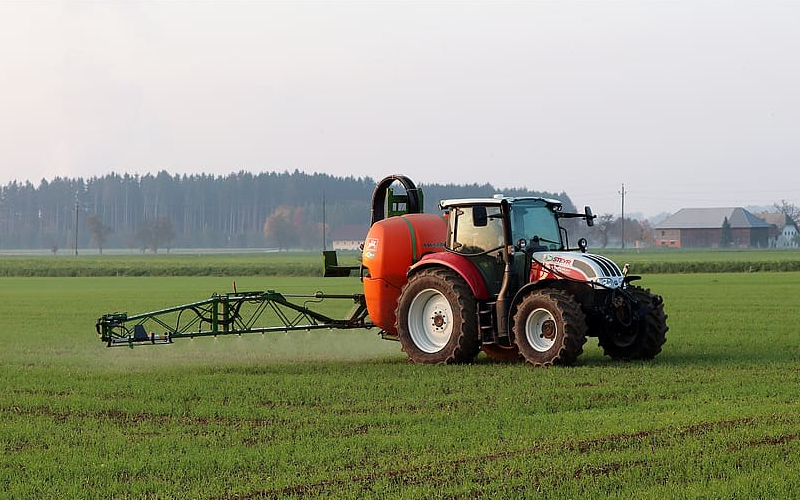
(645, 336)
(549, 328)
(437, 321)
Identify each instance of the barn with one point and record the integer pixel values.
(706, 228)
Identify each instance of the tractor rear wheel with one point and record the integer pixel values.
(645, 336)
(503, 353)
(549, 328)
(437, 321)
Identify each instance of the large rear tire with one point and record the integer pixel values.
(549, 328)
(644, 337)
(437, 321)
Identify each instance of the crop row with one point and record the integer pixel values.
(506, 472)
(310, 264)
(267, 264)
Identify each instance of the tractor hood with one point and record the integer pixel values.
(578, 266)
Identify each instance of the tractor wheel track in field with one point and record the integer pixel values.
(144, 418)
(435, 472)
(121, 417)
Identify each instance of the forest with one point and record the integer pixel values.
(163, 211)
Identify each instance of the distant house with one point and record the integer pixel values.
(349, 237)
(784, 231)
(703, 228)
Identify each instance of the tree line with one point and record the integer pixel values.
(162, 211)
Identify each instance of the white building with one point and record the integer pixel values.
(784, 233)
(349, 237)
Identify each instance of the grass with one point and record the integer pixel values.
(203, 263)
(342, 414)
(671, 260)
(199, 264)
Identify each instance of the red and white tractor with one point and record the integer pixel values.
(498, 274)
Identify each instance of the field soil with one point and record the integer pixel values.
(343, 414)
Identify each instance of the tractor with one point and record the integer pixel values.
(498, 274)
(494, 274)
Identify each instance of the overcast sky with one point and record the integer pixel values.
(687, 103)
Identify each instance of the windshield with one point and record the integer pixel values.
(531, 219)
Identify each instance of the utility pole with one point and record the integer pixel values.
(622, 193)
(77, 208)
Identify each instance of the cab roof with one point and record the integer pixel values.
(497, 200)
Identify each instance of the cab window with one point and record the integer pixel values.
(476, 229)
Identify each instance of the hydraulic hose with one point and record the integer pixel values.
(379, 197)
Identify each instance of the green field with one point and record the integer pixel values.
(671, 260)
(342, 414)
(175, 264)
(253, 263)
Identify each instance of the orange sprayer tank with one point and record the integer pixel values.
(392, 245)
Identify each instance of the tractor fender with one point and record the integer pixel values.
(457, 263)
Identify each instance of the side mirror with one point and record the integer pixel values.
(589, 216)
(479, 217)
(582, 244)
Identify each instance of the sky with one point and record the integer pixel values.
(685, 103)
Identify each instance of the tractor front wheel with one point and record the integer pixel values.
(436, 318)
(645, 335)
(549, 328)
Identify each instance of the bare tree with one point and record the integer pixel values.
(99, 230)
(280, 227)
(155, 233)
(603, 226)
(788, 209)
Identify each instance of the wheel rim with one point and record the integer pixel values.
(430, 321)
(541, 330)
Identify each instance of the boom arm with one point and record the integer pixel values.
(228, 314)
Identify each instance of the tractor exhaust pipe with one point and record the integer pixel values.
(503, 303)
(510, 283)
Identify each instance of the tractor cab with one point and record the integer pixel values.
(490, 232)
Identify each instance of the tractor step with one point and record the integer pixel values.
(486, 326)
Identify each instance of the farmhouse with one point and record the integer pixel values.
(349, 237)
(704, 228)
(783, 233)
